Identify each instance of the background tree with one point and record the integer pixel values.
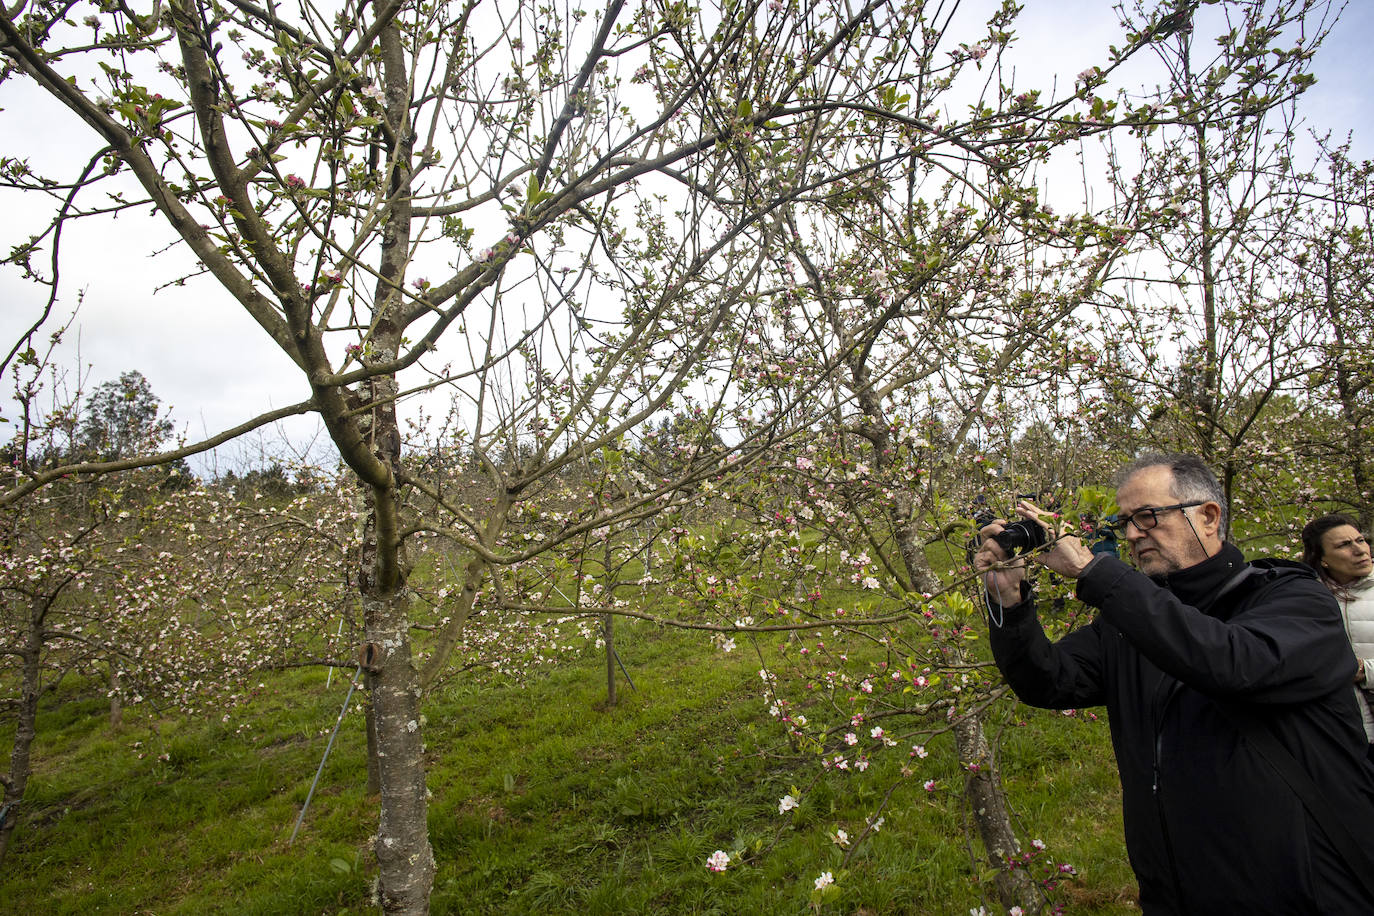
(175, 599)
(122, 419)
(1335, 263)
(1216, 174)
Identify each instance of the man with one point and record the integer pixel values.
(1195, 654)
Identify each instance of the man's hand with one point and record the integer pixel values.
(1064, 553)
(1003, 584)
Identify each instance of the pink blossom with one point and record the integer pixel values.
(718, 861)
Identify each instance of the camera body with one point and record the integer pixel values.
(1021, 536)
(1018, 537)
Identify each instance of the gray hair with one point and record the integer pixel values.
(1192, 479)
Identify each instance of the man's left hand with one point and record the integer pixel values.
(1065, 553)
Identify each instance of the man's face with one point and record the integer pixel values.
(1182, 537)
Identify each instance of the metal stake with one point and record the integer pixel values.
(328, 747)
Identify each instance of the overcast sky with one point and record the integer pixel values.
(206, 359)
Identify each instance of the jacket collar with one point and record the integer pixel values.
(1359, 586)
(1198, 585)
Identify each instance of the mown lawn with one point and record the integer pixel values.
(545, 800)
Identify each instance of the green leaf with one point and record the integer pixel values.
(533, 193)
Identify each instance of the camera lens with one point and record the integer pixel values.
(1020, 536)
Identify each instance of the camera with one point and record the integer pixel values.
(1020, 536)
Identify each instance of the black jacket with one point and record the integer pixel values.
(1210, 826)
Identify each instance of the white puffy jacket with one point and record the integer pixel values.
(1357, 605)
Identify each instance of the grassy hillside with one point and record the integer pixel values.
(544, 801)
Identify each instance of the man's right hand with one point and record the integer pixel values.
(1003, 583)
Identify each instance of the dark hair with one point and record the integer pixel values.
(1192, 479)
(1315, 530)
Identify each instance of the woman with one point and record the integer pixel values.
(1334, 546)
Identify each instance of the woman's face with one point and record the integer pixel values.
(1345, 555)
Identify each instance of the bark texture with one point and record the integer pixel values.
(404, 856)
(988, 804)
(17, 780)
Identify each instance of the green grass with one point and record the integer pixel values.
(545, 800)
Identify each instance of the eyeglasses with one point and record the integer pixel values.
(1145, 519)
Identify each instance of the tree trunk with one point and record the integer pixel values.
(116, 704)
(374, 770)
(17, 779)
(608, 633)
(986, 800)
(982, 788)
(404, 856)
(1207, 417)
